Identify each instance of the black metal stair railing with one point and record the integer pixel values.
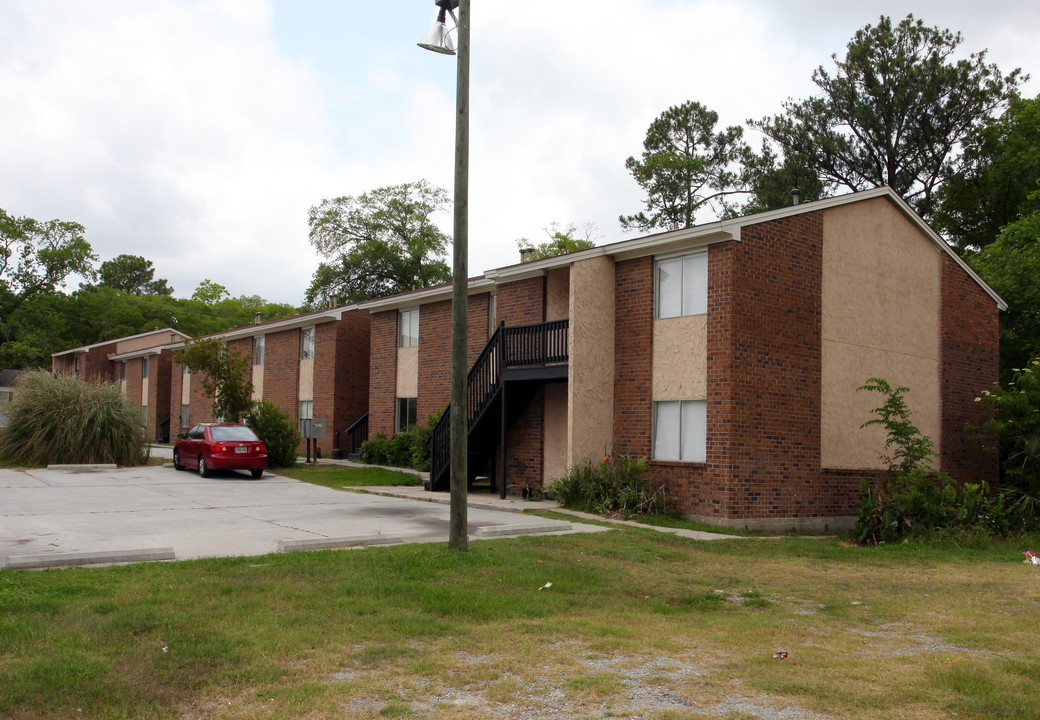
(509, 347)
(357, 434)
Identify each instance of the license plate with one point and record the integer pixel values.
(242, 449)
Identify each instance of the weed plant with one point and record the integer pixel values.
(62, 419)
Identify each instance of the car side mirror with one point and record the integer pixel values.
(182, 435)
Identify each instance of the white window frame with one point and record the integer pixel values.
(680, 430)
(259, 349)
(686, 292)
(307, 343)
(410, 404)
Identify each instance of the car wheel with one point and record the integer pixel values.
(256, 473)
(204, 470)
(177, 461)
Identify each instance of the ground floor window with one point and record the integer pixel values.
(306, 409)
(680, 430)
(144, 415)
(184, 415)
(405, 414)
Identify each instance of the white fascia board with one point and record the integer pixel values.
(659, 243)
(409, 300)
(142, 353)
(289, 323)
(88, 348)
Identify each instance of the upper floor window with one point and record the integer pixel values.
(307, 343)
(259, 345)
(408, 328)
(144, 368)
(682, 286)
(122, 370)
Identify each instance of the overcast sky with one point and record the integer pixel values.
(197, 133)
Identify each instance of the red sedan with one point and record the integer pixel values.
(220, 446)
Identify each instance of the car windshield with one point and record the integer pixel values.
(232, 432)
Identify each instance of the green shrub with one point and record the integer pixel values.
(374, 451)
(1015, 426)
(274, 426)
(615, 489)
(913, 499)
(65, 420)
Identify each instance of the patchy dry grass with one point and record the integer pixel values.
(637, 624)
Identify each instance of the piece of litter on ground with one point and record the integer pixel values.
(546, 586)
(780, 655)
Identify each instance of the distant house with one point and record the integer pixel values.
(139, 363)
(728, 354)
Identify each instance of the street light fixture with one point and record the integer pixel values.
(438, 40)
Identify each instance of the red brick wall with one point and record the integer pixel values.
(969, 351)
(176, 383)
(763, 381)
(350, 374)
(282, 370)
(382, 388)
(522, 302)
(633, 355)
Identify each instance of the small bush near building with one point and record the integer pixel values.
(64, 420)
(1015, 427)
(914, 499)
(617, 488)
(404, 450)
(274, 426)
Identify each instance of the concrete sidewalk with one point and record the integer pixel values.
(61, 516)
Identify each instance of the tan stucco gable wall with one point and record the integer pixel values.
(680, 358)
(590, 387)
(881, 302)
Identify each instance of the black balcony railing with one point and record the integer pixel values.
(509, 347)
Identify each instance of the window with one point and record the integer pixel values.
(405, 414)
(144, 415)
(408, 328)
(122, 370)
(492, 315)
(186, 370)
(680, 430)
(306, 409)
(307, 344)
(259, 345)
(144, 368)
(75, 366)
(184, 415)
(682, 286)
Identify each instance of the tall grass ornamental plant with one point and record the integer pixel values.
(64, 420)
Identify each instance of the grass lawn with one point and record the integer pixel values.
(636, 624)
(339, 476)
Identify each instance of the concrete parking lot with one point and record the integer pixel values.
(75, 516)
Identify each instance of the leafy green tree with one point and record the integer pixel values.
(274, 426)
(562, 240)
(132, 274)
(894, 112)
(772, 180)
(39, 256)
(210, 293)
(994, 179)
(685, 165)
(378, 243)
(1011, 266)
(226, 376)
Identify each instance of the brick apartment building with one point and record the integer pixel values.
(728, 354)
(314, 365)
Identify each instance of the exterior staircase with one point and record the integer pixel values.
(516, 362)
